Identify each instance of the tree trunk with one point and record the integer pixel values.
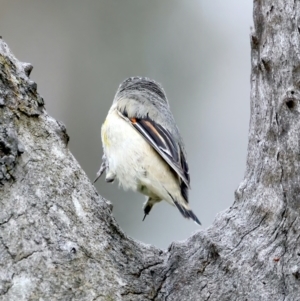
(59, 241)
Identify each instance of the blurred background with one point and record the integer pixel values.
(198, 50)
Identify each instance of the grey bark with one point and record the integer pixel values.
(59, 241)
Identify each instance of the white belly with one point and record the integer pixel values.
(134, 162)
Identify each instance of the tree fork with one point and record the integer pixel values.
(59, 241)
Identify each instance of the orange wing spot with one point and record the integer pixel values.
(133, 120)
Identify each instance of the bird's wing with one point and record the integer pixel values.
(163, 142)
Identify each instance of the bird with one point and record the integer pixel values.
(142, 146)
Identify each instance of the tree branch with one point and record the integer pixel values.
(59, 241)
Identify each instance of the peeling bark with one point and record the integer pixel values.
(59, 241)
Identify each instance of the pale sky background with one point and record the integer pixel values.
(199, 50)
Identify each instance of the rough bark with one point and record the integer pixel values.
(58, 240)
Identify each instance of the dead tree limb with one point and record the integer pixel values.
(58, 240)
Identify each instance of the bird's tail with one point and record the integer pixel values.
(186, 212)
